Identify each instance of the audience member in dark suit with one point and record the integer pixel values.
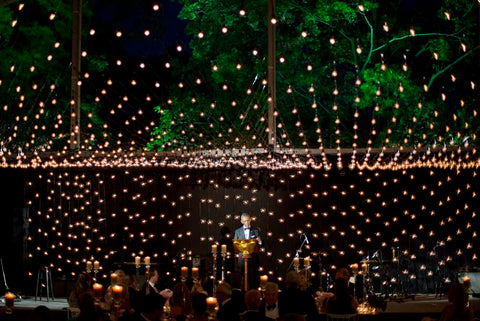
(294, 300)
(226, 308)
(199, 305)
(270, 306)
(247, 232)
(342, 302)
(154, 296)
(253, 300)
(238, 296)
(149, 310)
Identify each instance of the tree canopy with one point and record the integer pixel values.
(373, 75)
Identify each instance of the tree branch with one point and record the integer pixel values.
(450, 65)
(371, 41)
(454, 35)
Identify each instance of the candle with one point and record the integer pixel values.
(214, 248)
(114, 278)
(117, 291)
(306, 261)
(96, 265)
(466, 278)
(364, 267)
(211, 303)
(184, 272)
(224, 248)
(137, 260)
(9, 298)
(296, 261)
(147, 260)
(97, 289)
(263, 278)
(195, 272)
(89, 265)
(354, 268)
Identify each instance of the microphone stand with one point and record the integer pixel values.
(297, 251)
(3, 273)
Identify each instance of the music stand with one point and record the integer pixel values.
(246, 248)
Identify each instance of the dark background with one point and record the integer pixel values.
(173, 215)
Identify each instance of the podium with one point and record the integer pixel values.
(245, 248)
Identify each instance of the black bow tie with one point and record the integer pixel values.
(271, 307)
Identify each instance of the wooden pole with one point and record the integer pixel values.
(272, 80)
(245, 283)
(75, 87)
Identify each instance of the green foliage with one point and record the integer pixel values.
(393, 108)
(35, 60)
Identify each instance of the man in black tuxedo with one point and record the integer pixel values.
(247, 232)
(153, 296)
(238, 296)
(253, 299)
(294, 300)
(270, 307)
(227, 311)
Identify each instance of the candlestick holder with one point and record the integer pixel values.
(95, 271)
(98, 293)
(195, 274)
(224, 254)
(117, 291)
(296, 264)
(214, 269)
(263, 283)
(211, 308)
(306, 267)
(89, 267)
(183, 274)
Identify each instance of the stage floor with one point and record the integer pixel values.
(423, 303)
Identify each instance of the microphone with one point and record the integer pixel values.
(306, 238)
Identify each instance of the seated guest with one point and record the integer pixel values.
(342, 302)
(295, 300)
(135, 296)
(199, 306)
(238, 297)
(197, 287)
(120, 279)
(150, 310)
(342, 273)
(87, 308)
(227, 311)
(253, 300)
(40, 313)
(270, 306)
(155, 297)
(292, 317)
(180, 302)
(457, 309)
(83, 285)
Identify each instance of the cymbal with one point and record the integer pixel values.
(369, 261)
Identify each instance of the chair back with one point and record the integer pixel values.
(341, 317)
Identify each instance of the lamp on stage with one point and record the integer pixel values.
(245, 248)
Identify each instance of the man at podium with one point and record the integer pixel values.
(247, 232)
